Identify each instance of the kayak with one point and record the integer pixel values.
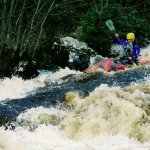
(109, 65)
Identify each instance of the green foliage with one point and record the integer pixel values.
(30, 26)
(97, 35)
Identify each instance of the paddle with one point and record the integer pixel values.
(110, 25)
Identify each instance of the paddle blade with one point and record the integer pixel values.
(110, 25)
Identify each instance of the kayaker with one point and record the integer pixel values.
(131, 49)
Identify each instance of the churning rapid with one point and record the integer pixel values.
(69, 110)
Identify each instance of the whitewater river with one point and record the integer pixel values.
(70, 110)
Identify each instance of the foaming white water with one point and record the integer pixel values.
(41, 116)
(51, 138)
(145, 52)
(110, 118)
(43, 138)
(56, 77)
(18, 88)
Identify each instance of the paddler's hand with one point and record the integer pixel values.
(116, 35)
(130, 58)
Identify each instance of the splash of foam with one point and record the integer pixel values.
(108, 110)
(19, 88)
(51, 137)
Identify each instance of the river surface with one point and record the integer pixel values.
(70, 110)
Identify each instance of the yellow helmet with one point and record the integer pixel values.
(130, 36)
